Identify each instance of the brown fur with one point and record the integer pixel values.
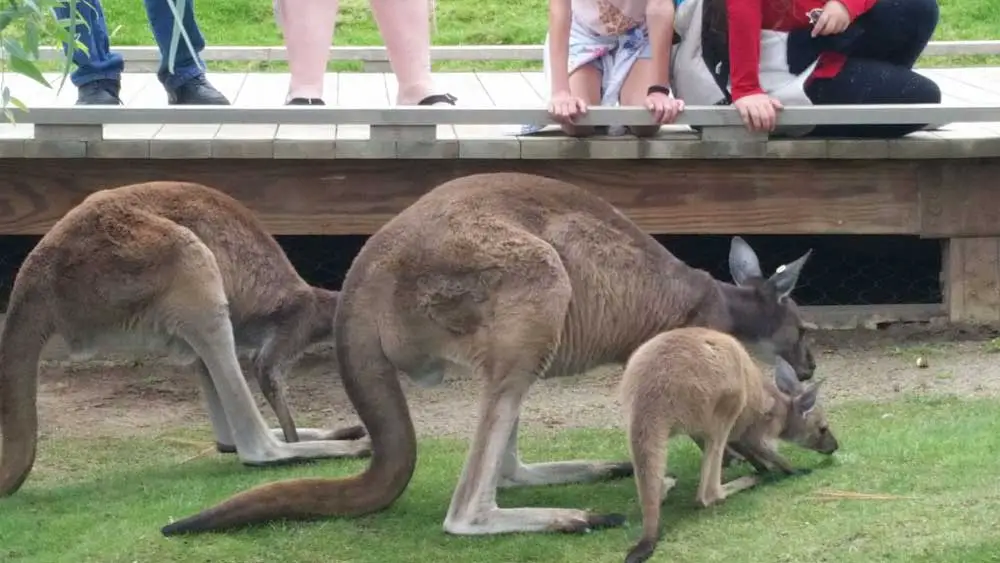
(703, 383)
(513, 277)
(171, 266)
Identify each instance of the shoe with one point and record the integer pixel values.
(305, 102)
(196, 91)
(435, 99)
(103, 92)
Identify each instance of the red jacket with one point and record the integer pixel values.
(746, 20)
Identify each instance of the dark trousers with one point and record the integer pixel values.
(878, 70)
(100, 62)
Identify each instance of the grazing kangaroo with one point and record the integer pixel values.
(703, 383)
(175, 267)
(512, 277)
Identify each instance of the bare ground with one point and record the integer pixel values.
(112, 398)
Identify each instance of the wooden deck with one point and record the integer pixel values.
(962, 87)
(349, 178)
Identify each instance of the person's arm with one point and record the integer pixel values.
(745, 21)
(660, 26)
(857, 7)
(559, 21)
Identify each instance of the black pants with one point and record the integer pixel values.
(879, 67)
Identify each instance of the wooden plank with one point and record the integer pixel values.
(872, 317)
(196, 137)
(311, 131)
(510, 90)
(961, 86)
(471, 93)
(134, 85)
(392, 88)
(984, 79)
(959, 198)
(357, 89)
(972, 281)
(367, 112)
(258, 90)
(539, 84)
(682, 197)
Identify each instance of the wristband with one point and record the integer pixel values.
(658, 88)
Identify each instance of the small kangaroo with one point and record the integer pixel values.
(703, 383)
(512, 277)
(174, 267)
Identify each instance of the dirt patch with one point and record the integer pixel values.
(115, 398)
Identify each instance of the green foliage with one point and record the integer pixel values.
(914, 481)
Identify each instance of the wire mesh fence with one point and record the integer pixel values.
(844, 270)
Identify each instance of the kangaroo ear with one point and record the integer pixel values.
(786, 276)
(785, 378)
(805, 402)
(743, 263)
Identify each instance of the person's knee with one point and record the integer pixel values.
(923, 90)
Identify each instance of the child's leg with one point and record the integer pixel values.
(406, 29)
(634, 89)
(585, 83)
(896, 31)
(866, 81)
(307, 26)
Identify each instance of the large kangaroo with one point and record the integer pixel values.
(703, 383)
(514, 277)
(180, 268)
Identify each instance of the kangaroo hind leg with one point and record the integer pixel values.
(194, 308)
(648, 434)
(517, 344)
(516, 473)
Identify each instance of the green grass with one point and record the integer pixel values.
(104, 500)
(464, 22)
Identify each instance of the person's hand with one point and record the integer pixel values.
(834, 19)
(758, 111)
(664, 108)
(564, 107)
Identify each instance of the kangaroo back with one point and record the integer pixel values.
(25, 332)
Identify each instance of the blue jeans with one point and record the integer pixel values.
(102, 63)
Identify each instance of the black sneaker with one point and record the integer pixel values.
(305, 102)
(103, 92)
(196, 91)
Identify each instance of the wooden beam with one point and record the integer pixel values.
(339, 197)
(696, 116)
(959, 199)
(972, 280)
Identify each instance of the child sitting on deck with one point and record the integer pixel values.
(859, 51)
(609, 51)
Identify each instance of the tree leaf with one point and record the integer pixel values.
(27, 68)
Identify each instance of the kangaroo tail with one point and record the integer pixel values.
(24, 334)
(373, 386)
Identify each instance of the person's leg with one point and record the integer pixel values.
(187, 83)
(98, 72)
(585, 83)
(866, 81)
(896, 31)
(406, 30)
(634, 90)
(307, 28)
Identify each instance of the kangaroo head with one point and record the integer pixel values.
(324, 308)
(765, 316)
(804, 422)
